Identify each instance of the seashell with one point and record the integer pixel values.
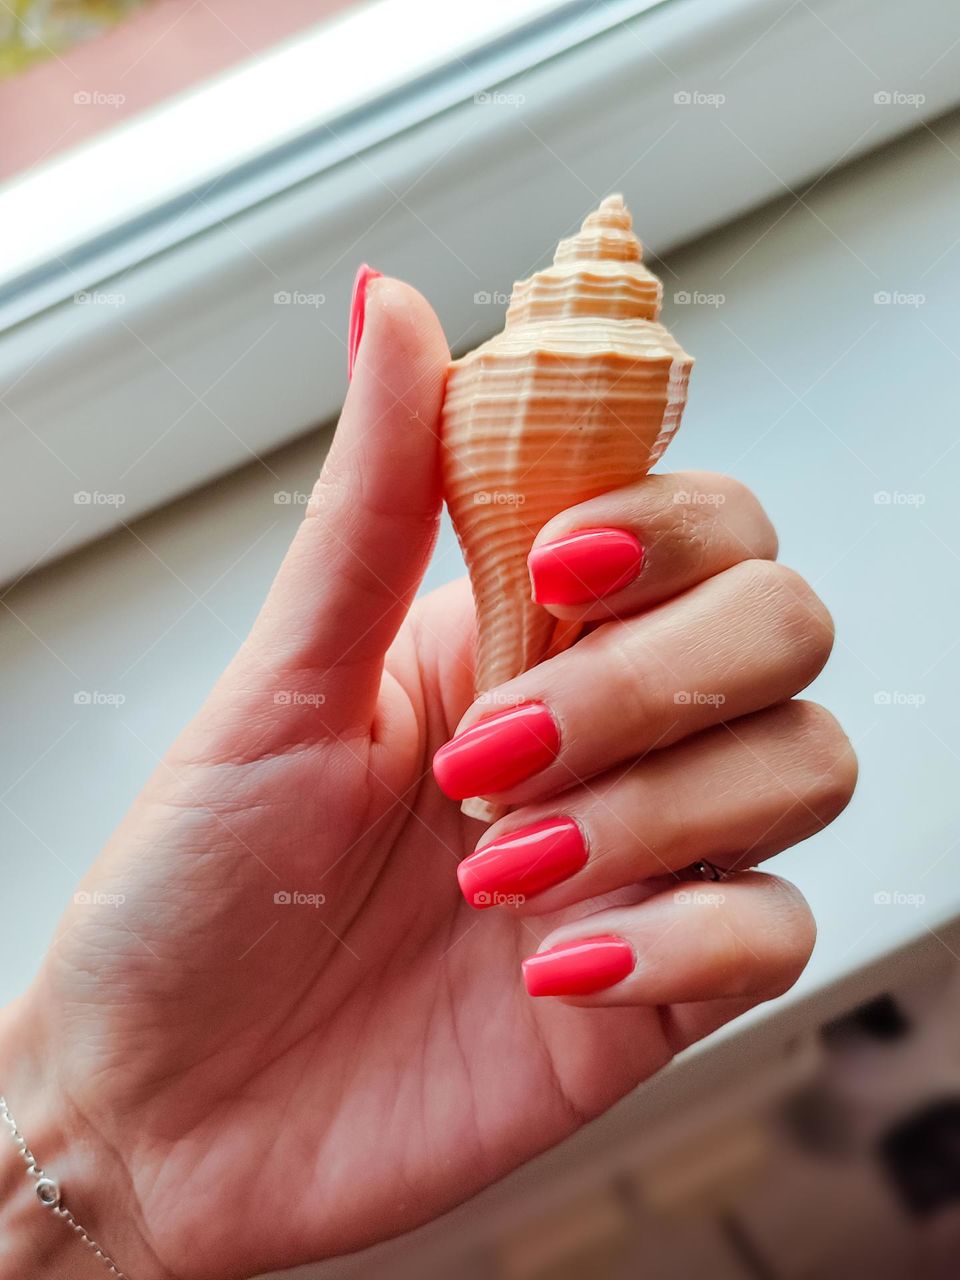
(580, 394)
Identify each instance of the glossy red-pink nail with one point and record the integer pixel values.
(498, 752)
(579, 967)
(583, 566)
(358, 311)
(523, 863)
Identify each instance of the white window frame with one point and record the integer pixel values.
(191, 374)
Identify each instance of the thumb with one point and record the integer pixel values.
(357, 559)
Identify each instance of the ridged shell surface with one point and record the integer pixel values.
(580, 394)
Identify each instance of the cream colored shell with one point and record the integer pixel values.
(580, 394)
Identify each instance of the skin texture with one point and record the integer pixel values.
(251, 1084)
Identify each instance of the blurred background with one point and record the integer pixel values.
(187, 189)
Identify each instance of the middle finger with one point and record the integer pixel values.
(746, 639)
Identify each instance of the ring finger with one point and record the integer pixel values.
(733, 795)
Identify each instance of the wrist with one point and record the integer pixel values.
(34, 1241)
(94, 1187)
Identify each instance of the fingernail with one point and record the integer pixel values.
(358, 310)
(579, 968)
(584, 565)
(496, 753)
(523, 862)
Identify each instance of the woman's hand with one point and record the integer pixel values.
(293, 1036)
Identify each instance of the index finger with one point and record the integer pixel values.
(632, 548)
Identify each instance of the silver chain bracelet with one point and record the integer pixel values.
(48, 1191)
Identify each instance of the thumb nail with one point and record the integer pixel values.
(358, 309)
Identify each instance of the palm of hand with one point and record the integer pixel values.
(303, 1079)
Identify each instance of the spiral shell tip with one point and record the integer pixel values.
(605, 234)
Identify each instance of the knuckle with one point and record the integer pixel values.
(727, 487)
(732, 512)
(733, 491)
(683, 515)
(832, 759)
(733, 962)
(791, 933)
(761, 953)
(681, 526)
(758, 530)
(657, 790)
(335, 488)
(798, 618)
(642, 688)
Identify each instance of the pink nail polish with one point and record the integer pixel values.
(497, 753)
(523, 862)
(584, 566)
(579, 967)
(358, 310)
